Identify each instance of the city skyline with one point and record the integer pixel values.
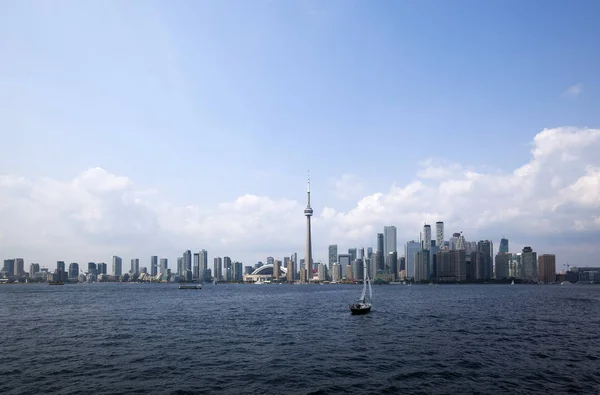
(192, 125)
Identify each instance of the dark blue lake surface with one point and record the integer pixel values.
(298, 339)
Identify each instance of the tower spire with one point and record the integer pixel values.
(308, 189)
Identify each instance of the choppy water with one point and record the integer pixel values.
(238, 339)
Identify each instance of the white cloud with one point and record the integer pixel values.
(573, 91)
(348, 187)
(552, 202)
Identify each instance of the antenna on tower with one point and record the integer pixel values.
(308, 181)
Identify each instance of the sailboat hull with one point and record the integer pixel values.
(357, 309)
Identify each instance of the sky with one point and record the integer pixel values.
(146, 128)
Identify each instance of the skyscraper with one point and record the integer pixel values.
(204, 266)
(412, 247)
(439, 234)
(187, 260)
(73, 270)
(547, 268)
(33, 269)
(117, 265)
(164, 265)
(352, 253)
(153, 265)
(503, 245)
(196, 265)
(529, 264)
(308, 212)
(217, 274)
(380, 244)
(333, 252)
(135, 266)
(389, 240)
(426, 237)
(20, 267)
(485, 247)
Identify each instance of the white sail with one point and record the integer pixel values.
(365, 281)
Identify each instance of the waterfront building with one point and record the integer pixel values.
(502, 265)
(154, 265)
(73, 270)
(439, 234)
(529, 264)
(412, 247)
(547, 268)
(390, 240)
(117, 266)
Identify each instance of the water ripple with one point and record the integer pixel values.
(235, 339)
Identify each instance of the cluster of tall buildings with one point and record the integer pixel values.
(437, 259)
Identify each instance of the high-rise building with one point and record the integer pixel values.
(187, 260)
(164, 265)
(332, 255)
(276, 269)
(294, 258)
(503, 245)
(290, 271)
(153, 265)
(352, 253)
(369, 252)
(217, 266)
(92, 268)
(391, 264)
(180, 269)
(227, 274)
(343, 260)
(135, 266)
(426, 242)
(117, 266)
(529, 264)
(485, 247)
(422, 266)
(336, 273)
(204, 275)
(102, 268)
(74, 270)
(34, 268)
(237, 271)
(9, 267)
(60, 266)
(357, 269)
(439, 234)
(412, 247)
(390, 240)
(458, 261)
(502, 265)
(380, 243)
(196, 265)
(308, 212)
(547, 268)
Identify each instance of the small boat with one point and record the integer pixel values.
(56, 283)
(512, 282)
(215, 282)
(182, 286)
(364, 304)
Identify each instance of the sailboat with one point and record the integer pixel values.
(364, 304)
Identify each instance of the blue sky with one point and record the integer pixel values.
(206, 101)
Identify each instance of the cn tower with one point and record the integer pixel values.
(308, 211)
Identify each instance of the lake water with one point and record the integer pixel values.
(298, 339)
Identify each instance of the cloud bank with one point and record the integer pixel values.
(551, 202)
